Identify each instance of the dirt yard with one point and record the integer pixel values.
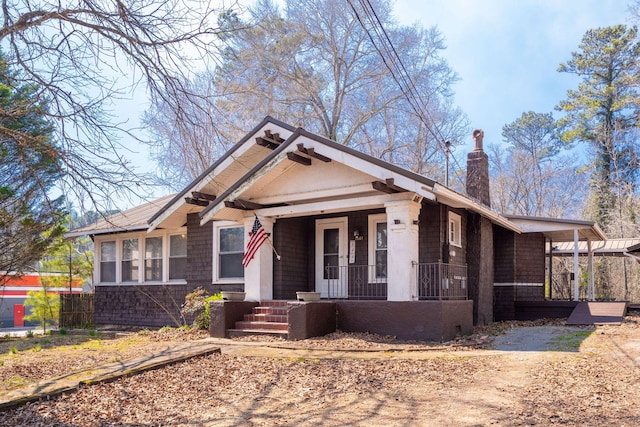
(506, 375)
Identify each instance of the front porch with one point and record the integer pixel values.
(355, 299)
(435, 320)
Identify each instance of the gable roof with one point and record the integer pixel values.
(244, 165)
(178, 201)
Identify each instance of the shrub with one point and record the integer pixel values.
(29, 334)
(62, 331)
(196, 306)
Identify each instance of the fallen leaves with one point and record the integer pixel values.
(597, 385)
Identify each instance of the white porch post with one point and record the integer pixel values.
(258, 275)
(591, 290)
(402, 250)
(576, 267)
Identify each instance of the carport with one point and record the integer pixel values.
(568, 238)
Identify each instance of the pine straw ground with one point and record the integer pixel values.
(593, 380)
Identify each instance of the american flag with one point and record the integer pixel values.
(257, 236)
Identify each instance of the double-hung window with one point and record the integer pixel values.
(108, 261)
(229, 252)
(130, 260)
(378, 248)
(455, 229)
(153, 259)
(177, 257)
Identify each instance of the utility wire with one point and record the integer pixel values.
(398, 71)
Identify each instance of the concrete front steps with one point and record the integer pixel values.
(268, 318)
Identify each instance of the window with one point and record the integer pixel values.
(455, 229)
(108, 261)
(178, 257)
(139, 257)
(378, 247)
(153, 259)
(230, 252)
(130, 259)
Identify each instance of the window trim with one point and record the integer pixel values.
(164, 256)
(455, 235)
(98, 255)
(373, 220)
(215, 264)
(169, 257)
(132, 260)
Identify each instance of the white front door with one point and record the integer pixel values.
(331, 257)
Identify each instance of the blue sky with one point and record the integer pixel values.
(506, 52)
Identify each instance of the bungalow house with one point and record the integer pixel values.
(389, 251)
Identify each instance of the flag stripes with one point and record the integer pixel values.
(257, 236)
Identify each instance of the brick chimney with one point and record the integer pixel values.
(480, 249)
(478, 171)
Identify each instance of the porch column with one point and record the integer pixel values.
(402, 250)
(258, 275)
(590, 282)
(576, 266)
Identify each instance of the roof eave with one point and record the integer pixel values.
(178, 200)
(80, 233)
(474, 206)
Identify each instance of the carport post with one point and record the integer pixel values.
(576, 267)
(591, 293)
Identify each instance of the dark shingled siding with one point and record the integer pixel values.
(199, 251)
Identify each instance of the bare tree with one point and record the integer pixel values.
(313, 65)
(84, 54)
(521, 185)
(530, 177)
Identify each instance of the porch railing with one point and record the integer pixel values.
(442, 281)
(435, 281)
(355, 282)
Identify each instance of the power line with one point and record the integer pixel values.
(401, 76)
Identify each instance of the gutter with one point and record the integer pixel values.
(496, 218)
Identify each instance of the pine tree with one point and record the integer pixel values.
(30, 221)
(603, 111)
